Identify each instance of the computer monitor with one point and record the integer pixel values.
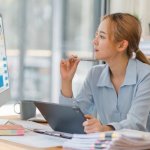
(4, 77)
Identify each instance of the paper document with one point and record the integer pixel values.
(135, 134)
(114, 140)
(34, 139)
(32, 125)
(3, 121)
(125, 143)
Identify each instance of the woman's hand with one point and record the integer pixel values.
(68, 68)
(92, 125)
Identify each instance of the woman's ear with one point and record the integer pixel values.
(123, 45)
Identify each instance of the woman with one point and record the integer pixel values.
(120, 89)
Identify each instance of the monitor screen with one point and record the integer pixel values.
(4, 78)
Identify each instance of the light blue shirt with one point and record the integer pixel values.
(129, 109)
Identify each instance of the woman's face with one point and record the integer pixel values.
(104, 48)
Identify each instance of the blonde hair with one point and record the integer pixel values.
(125, 26)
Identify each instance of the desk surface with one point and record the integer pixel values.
(7, 145)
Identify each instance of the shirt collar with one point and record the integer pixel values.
(130, 77)
(104, 79)
(131, 73)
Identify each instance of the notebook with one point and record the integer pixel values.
(11, 130)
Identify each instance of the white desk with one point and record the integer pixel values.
(7, 145)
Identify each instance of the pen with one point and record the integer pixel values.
(54, 133)
(84, 59)
(88, 59)
(47, 132)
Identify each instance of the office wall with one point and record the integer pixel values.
(139, 8)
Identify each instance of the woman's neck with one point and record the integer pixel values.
(118, 67)
(118, 71)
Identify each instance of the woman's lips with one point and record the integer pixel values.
(96, 50)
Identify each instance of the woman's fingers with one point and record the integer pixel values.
(89, 122)
(87, 116)
(92, 129)
(73, 58)
(92, 124)
(71, 62)
(63, 64)
(68, 67)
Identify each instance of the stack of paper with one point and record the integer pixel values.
(88, 141)
(127, 143)
(116, 140)
(130, 139)
(11, 130)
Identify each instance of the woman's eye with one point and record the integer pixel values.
(102, 37)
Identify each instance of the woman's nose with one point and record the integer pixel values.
(94, 42)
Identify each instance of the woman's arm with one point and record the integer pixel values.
(84, 99)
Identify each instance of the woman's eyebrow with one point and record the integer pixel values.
(102, 32)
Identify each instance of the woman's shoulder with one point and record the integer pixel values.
(95, 72)
(142, 69)
(97, 69)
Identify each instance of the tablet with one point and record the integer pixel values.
(62, 118)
